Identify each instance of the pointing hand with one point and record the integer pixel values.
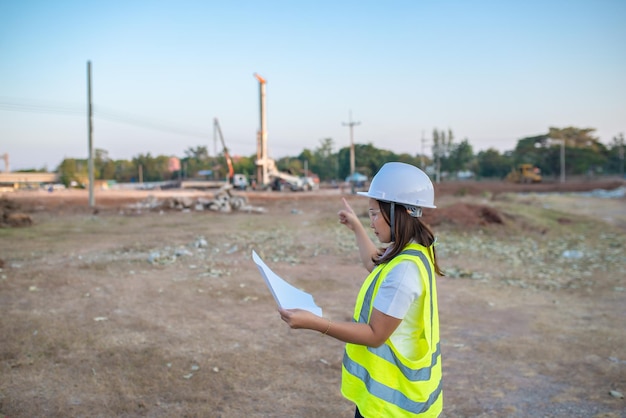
(347, 216)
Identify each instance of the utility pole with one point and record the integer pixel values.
(437, 147)
(560, 141)
(422, 162)
(620, 140)
(90, 135)
(562, 160)
(351, 124)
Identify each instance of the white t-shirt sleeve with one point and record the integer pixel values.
(401, 287)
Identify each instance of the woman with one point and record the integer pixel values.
(392, 360)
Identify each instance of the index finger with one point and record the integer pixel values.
(346, 205)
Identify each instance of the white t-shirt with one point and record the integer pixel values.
(399, 296)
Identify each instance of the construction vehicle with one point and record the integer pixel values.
(229, 161)
(281, 180)
(223, 200)
(524, 173)
(268, 175)
(239, 181)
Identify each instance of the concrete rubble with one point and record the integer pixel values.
(222, 201)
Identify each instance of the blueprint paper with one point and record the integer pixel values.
(286, 296)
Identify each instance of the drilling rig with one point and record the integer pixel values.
(267, 173)
(262, 161)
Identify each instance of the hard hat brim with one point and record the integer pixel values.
(381, 198)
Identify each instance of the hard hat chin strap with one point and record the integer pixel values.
(393, 222)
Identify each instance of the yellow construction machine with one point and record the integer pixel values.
(524, 173)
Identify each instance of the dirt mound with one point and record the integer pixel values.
(464, 214)
(10, 215)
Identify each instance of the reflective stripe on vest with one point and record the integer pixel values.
(380, 390)
(391, 395)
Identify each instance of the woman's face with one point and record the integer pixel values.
(378, 222)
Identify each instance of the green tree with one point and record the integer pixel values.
(73, 170)
(584, 153)
(322, 161)
(104, 167)
(528, 150)
(290, 165)
(308, 160)
(368, 159)
(218, 165)
(575, 137)
(492, 164)
(615, 155)
(329, 162)
(460, 157)
(409, 159)
(442, 147)
(107, 170)
(245, 165)
(125, 171)
(586, 160)
(152, 168)
(196, 159)
(437, 150)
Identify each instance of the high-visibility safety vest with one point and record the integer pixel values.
(381, 381)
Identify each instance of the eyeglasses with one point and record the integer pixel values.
(373, 214)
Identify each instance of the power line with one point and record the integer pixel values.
(128, 119)
(20, 105)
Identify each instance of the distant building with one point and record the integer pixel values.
(173, 164)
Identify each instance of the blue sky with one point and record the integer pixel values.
(491, 71)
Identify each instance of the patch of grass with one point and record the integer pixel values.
(532, 216)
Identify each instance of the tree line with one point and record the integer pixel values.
(584, 155)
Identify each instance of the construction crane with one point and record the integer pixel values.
(229, 162)
(224, 200)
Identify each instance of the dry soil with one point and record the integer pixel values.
(128, 309)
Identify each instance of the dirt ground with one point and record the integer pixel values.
(132, 309)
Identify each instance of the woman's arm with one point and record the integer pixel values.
(373, 334)
(367, 248)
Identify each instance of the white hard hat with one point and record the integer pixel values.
(402, 183)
